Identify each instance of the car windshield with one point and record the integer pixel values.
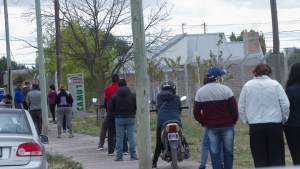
(14, 123)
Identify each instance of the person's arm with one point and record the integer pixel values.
(284, 103)
(234, 109)
(28, 99)
(111, 105)
(197, 113)
(242, 106)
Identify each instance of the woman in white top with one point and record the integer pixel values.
(264, 105)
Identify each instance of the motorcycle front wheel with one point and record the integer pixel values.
(174, 158)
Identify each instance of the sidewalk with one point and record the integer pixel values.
(82, 149)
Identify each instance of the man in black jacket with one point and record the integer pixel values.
(123, 106)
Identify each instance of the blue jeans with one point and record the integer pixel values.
(205, 150)
(221, 137)
(123, 124)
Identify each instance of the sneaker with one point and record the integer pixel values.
(202, 167)
(64, 131)
(125, 153)
(54, 121)
(111, 154)
(59, 136)
(71, 136)
(119, 159)
(134, 158)
(154, 166)
(100, 148)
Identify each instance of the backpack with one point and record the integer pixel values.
(64, 98)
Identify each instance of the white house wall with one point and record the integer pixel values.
(178, 49)
(202, 44)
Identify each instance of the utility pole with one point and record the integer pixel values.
(204, 27)
(42, 78)
(143, 115)
(8, 60)
(276, 53)
(182, 27)
(57, 41)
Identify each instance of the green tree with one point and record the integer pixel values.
(200, 68)
(3, 67)
(262, 41)
(295, 58)
(90, 40)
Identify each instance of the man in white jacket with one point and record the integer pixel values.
(264, 105)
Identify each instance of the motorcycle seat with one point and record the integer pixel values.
(171, 121)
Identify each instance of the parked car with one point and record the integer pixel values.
(20, 145)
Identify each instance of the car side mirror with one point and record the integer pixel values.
(44, 139)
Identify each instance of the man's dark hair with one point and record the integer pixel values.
(35, 86)
(8, 96)
(115, 78)
(122, 82)
(52, 87)
(27, 83)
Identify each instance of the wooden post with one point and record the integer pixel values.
(142, 86)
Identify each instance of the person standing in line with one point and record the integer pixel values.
(111, 129)
(64, 103)
(221, 114)
(122, 106)
(33, 99)
(205, 142)
(18, 97)
(103, 130)
(24, 91)
(6, 101)
(264, 106)
(51, 102)
(292, 126)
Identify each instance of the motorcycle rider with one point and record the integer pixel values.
(168, 107)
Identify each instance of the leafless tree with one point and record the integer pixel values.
(101, 18)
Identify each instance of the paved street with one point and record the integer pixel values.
(82, 149)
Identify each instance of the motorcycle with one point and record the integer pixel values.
(172, 138)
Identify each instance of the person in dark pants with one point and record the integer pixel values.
(51, 102)
(24, 91)
(111, 129)
(103, 132)
(18, 97)
(33, 100)
(292, 126)
(264, 105)
(168, 108)
(123, 106)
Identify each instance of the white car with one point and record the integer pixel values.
(20, 145)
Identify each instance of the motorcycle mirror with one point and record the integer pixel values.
(152, 102)
(183, 98)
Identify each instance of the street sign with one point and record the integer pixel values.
(76, 88)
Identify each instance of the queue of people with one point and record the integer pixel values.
(264, 105)
(271, 112)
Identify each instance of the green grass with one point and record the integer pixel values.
(193, 133)
(60, 162)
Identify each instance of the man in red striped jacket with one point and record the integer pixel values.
(221, 114)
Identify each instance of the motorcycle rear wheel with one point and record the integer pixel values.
(174, 158)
